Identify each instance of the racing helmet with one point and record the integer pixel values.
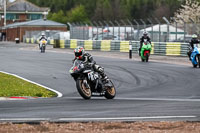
(79, 52)
(145, 33)
(194, 36)
(43, 34)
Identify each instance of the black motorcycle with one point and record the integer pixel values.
(89, 83)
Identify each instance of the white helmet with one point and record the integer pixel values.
(43, 34)
(194, 36)
(145, 33)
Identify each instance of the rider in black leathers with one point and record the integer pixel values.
(87, 58)
(145, 36)
(193, 41)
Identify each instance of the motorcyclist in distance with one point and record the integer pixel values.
(193, 41)
(42, 37)
(145, 36)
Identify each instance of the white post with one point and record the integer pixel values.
(4, 12)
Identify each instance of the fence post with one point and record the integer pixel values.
(138, 29)
(151, 27)
(107, 25)
(78, 25)
(86, 37)
(113, 27)
(143, 23)
(97, 30)
(184, 27)
(118, 29)
(131, 28)
(124, 29)
(172, 18)
(101, 24)
(168, 23)
(159, 29)
(92, 30)
(70, 29)
(82, 26)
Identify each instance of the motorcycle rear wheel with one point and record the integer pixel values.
(83, 90)
(110, 91)
(198, 62)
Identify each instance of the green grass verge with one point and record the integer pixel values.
(13, 86)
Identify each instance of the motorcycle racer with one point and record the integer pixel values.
(145, 36)
(87, 58)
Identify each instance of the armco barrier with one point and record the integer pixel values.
(158, 48)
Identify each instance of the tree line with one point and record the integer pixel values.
(94, 10)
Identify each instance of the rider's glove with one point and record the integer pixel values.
(91, 64)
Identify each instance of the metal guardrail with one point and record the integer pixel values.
(158, 48)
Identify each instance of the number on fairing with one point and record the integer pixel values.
(92, 76)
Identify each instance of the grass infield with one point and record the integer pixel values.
(13, 86)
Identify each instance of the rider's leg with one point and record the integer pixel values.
(100, 70)
(189, 54)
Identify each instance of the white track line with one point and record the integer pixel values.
(96, 119)
(58, 93)
(25, 119)
(161, 99)
(124, 118)
(144, 99)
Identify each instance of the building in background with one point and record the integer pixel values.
(20, 11)
(24, 19)
(32, 29)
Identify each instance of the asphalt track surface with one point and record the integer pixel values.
(145, 91)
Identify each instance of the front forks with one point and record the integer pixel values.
(86, 84)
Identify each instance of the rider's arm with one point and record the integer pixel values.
(192, 44)
(40, 38)
(89, 59)
(149, 40)
(141, 41)
(73, 60)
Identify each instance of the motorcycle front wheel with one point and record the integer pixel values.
(147, 57)
(197, 60)
(110, 91)
(42, 49)
(83, 89)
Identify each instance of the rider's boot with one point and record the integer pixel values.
(139, 52)
(105, 77)
(189, 54)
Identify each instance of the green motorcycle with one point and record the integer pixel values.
(145, 51)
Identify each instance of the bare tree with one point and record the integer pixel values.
(190, 10)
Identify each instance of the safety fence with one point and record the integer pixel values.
(158, 48)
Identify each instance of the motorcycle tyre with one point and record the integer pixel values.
(110, 94)
(199, 60)
(147, 57)
(79, 84)
(195, 65)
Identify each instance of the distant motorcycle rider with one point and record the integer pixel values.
(42, 37)
(87, 58)
(193, 41)
(145, 36)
